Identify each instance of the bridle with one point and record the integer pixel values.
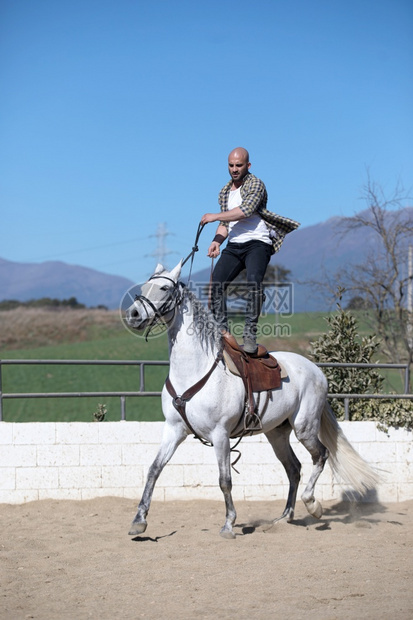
(177, 293)
(168, 306)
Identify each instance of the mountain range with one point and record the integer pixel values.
(309, 253)
(58, 280)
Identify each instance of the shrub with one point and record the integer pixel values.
(343, 344)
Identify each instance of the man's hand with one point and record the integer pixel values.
(210, 217)
(213, 250)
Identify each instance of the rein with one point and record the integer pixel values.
(195, 249)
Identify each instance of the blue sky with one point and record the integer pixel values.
(117, 116)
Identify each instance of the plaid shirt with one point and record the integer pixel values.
(254, 198)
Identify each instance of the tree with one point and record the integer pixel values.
(275, 273)
(382, 280)
(358, 303)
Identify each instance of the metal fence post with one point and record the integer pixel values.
(407, 379)
(142, 377)
(122, 408)
(346, 409)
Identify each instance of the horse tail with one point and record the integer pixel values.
(349, 467)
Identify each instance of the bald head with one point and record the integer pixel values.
(238, 165)
(240, 153)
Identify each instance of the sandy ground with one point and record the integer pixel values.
(67, 559)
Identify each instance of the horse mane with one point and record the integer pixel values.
(204, 322)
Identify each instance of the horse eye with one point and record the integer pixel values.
(164, 288)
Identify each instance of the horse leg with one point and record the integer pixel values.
(223, 454)
(319, 454)
(279, 440)
(171, 439)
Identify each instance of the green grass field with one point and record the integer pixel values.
(106, 342)
(59, 378)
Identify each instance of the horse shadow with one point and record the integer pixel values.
(362, 510)
(149, 539)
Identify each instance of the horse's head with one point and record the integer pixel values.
(158, 300)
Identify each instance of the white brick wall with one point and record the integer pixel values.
(86, 460)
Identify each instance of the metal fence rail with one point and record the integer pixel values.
(404, 367)
(143, 393)
(122, 395)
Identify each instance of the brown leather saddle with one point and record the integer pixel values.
(259, 372)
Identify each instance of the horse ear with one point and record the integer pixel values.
(159, 268)
(176, 272)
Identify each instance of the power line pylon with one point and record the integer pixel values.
(161, 250)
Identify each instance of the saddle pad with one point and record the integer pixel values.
(264, 373)
(232, 368)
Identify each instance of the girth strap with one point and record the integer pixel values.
(179, 402)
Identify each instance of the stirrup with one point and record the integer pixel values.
(252, 422)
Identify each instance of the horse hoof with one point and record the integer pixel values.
(285, 519)
(317, 510)
(228, 534)
(137, 528)
(314, 508)
(288, 515)
(277, 525)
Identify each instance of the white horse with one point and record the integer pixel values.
(213, 412)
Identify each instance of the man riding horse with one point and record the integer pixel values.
(253, 235)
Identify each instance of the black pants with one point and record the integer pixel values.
(253, 256)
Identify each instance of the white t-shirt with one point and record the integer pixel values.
(249, 228)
